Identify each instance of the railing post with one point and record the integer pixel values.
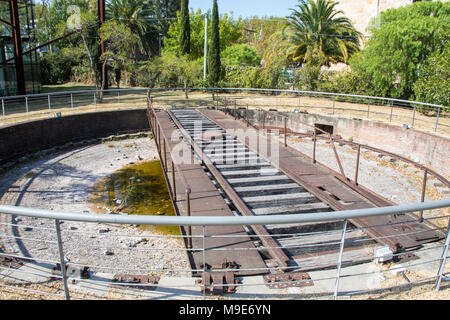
(174, 186)
(334, 104)
(339, 265)
(392, 109)
(246, 115)
(26, 104)
(118, 97)
(368, 111)
(357, 164)
(95, 100)
(422, 196)
(413, 117)
(443, 259)
(61, 260)
(314, 146)
(437, 119)
(204, 255)
(235, 111)
(71, 101)
(3, 109)
(49, 103)
(165, 154)
(263, 119)
(188, 210)
(285, 132)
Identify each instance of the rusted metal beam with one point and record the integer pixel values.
(272, 246)
(17, 41)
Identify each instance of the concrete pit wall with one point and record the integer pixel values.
(28, 137)
(427, 149)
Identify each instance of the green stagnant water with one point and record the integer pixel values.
(137, 189)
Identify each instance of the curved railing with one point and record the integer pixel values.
(423, 116)
(203, 221)
(20, 108)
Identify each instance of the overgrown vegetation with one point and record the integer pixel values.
(155, 44)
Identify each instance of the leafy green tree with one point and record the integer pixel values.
(241, 54)
(400, 44)
(229, 29)
(433, 83)
(214, 65)
(319, 28)
(120, 42)
(185, 34)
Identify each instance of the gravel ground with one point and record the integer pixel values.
(64, 181)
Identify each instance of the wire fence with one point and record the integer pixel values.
(57, 271)
(422, 116)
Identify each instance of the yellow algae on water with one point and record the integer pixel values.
(136, 189)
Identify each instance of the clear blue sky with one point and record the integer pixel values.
(247, 8)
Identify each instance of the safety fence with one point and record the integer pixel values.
(45, 256)
(422, 116)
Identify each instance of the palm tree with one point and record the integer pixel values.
(136, 15)
(321, 35)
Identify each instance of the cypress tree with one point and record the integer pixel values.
(185, 34)
(214, 48)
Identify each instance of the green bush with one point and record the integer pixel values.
(239, 54)
(56, 67)
(252, 77)
(433, 83)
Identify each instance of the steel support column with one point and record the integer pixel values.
(18, 55)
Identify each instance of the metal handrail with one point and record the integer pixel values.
(177, 167)
(228, 220)
(331, 94)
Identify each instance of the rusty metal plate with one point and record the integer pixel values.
(138, 279)
(286, 280)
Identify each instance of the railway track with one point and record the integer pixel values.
(262, 189)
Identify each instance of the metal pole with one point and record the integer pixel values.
(61, 259)
(204, 248)
(26, 104)
(285, 132)
(174, 186)
(205, 51)
(95, 100)
(165, 155)
(3, 108)
(334, 104)
(71, 101)
(413, 118)
(188, 210)
(422, 196)
(368, 111)
(246, 114)
(443, 259)
(263, 119)
(49, 103)
(235, 114)
(314, 147)
(17, 42)
(118, 97)
(437, 119)
(341, 251)
(392, 109)
(357, 164)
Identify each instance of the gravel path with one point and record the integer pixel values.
(64, 181)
